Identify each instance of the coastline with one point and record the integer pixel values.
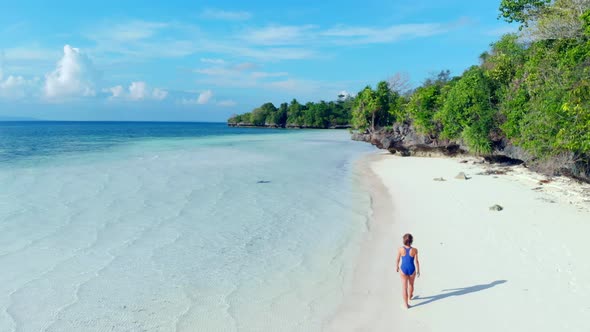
(363, 299)
(481, 270)
(249, 125)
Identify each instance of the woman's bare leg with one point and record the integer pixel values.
(411, 286)
(405, 289)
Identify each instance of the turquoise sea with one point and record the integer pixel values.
(113, 226)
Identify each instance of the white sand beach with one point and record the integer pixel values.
(525, 268)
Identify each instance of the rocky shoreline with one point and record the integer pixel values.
(403, 139)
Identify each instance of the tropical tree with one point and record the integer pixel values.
(467, 112)
(385, 101)
(258, 117)
(295, 113)
(365, 109)
(428, 100)
(522, 11)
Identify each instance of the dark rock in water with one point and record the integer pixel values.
(263, 181)
(462, 176)
(496, 207)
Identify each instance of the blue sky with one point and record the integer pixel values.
(203, 61)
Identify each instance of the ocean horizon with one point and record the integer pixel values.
(175, 226)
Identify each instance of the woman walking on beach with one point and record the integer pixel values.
(410, 268)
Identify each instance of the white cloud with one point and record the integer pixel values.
(73, 77)
(237, 75)
(245, 66)
(267, 43)
(138, 39)
(228, 70)
(186, 101)
(213, 61)
(30, 60)
(227, 103)
(230, 60)
(15, 87)
(235, 70)
(217, 14)
(262, 74)
(372, 35)
(30, 53)
(279, 35)
(229, 81)
(215, 71)
(133, 40)
(240, 75)
(277, 53)
(290, 84)
(205, 97)
(305, 87)
(117, 91)
(159, 94)
(137, 91)
(314, 37)
(130, 31)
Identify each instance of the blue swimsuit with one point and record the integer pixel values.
(408, 267)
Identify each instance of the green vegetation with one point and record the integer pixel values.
(310, 115)
(468, 112)
(534, 93)
(428, 100)
(375, 108)
(522, 11)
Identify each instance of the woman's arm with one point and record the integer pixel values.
(417, 264)
(397, 261)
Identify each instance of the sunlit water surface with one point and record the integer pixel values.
(175, 226)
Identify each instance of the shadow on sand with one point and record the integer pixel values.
(455, 292)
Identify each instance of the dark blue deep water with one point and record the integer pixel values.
(30, 139)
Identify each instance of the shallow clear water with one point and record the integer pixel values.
(165, 226)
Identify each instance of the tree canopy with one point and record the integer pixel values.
(296, 115)
(521, 11)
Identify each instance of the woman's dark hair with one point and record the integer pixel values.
(408, 239)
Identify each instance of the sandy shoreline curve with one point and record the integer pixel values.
(520, 269)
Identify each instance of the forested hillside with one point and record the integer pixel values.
(531, 89)
(323, 114)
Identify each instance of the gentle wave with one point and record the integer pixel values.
(174, 235)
